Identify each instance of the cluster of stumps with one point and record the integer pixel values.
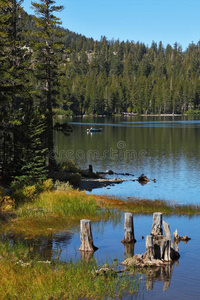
(160, 249)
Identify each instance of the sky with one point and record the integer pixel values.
(145, 21)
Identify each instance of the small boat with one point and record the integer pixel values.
(94, 130)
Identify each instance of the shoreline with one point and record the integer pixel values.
(89, 184)
(123, 115)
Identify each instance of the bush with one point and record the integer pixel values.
(62, 186)
(27, 192)
(69, 166)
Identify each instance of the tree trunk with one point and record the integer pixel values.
(86, 236)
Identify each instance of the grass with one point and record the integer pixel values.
(32, 279)
(46, 211)
(52, 211)
(145, 206)
(55, 210)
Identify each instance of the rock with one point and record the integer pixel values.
(106, 272)
(109, 172)
(143, 178)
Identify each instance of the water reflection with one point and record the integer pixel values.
(160, 274)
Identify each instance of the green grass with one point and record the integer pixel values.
(60, 209)
(24, 278)
(46, 211)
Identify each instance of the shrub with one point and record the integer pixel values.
(69, 166)
(62, 186)
(22, 192)
(6, 204)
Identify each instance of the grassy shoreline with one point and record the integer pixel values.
(54, 210)
(50, 211)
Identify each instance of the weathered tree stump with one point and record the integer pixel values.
(168, 232)
(86, 236)
(149, 246)
(167, 251)
(156, 228)
(129, 229)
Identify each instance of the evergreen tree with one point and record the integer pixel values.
(46, 63)
(20, 140)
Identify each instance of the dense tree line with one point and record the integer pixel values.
(116, 77)
(107, 77)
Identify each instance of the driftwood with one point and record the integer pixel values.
(178, 238)
(129, 229)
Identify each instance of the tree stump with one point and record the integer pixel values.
(156, 228)
(168, 232)
(86, 236)
(167, 251)
(129, 229)
(149, 246)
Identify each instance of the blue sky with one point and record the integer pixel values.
(145, 21)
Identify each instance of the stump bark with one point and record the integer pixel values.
(129, 229)
(156, 228)
(149, 246)
(86, 236)
(168, 233)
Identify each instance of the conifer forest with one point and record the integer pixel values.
(45, 68)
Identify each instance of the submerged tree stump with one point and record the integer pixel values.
(129, 229)
(90, 168)
(168, 232)
(149, 246)
(86, 236)
(156, 228)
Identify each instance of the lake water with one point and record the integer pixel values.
(180, 281)
(163, 148)
(166, 149)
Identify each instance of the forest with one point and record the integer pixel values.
(109, 77)
(46, 70)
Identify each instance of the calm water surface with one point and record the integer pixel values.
(181, 281)
(163, 148)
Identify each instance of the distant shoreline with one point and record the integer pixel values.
(124, 115)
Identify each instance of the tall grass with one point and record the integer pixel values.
(55, 210)
(23, 278)
(52, 211)
(146, 206)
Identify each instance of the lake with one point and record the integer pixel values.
(163, 148)
(179, 281)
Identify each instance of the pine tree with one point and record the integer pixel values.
(46, 49)
(21, 146)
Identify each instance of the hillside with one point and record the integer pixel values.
(106, 77)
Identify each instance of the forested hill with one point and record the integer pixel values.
(108, 77)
